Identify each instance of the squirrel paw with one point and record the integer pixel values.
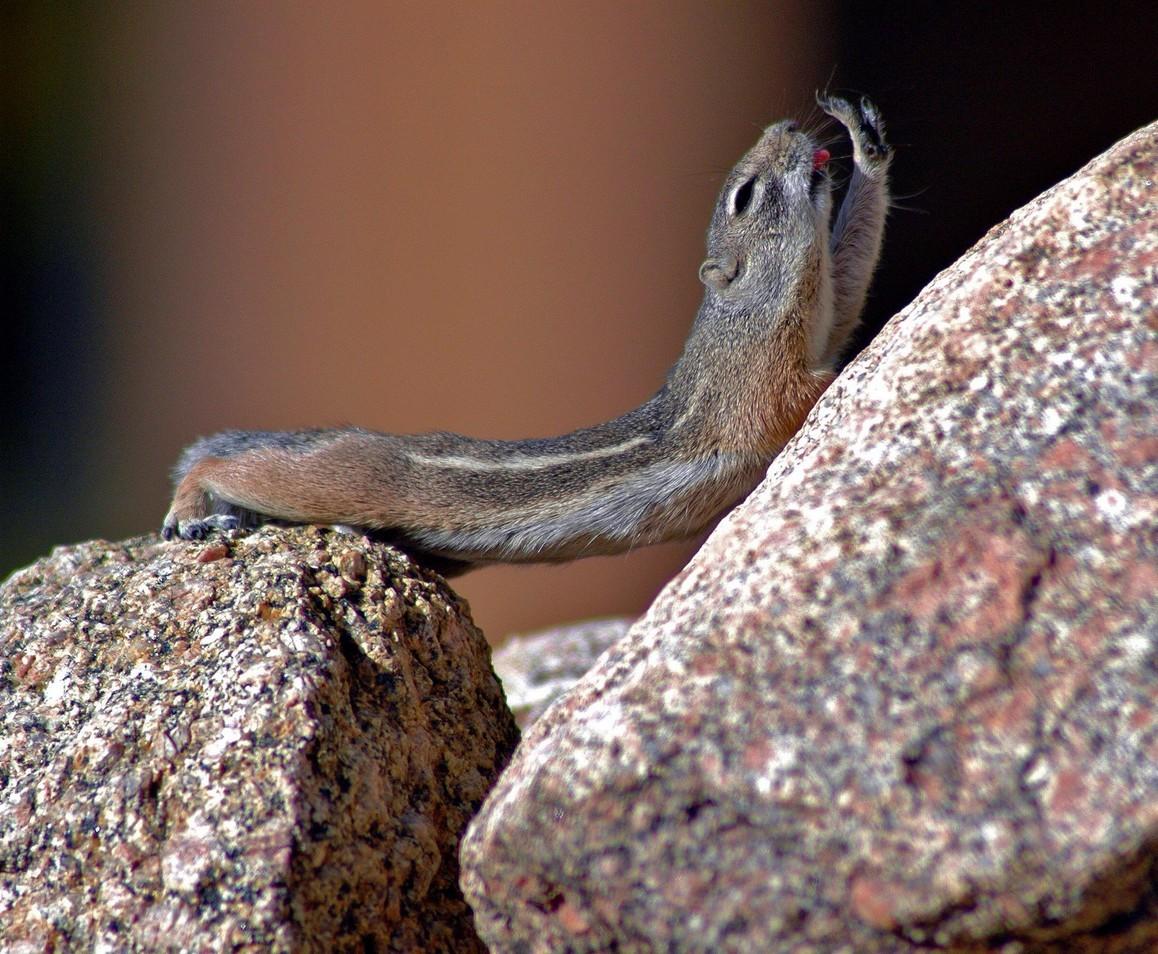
(865, 127)
(198, 528)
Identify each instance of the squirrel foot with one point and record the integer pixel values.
(198, 528)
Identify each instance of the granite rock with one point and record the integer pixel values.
(537, 668)
(268, 743)
(905, 696)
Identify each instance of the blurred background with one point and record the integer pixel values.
(485, 218)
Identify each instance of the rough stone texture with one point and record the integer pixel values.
(270, 743)
(905, 695)
(536, 669)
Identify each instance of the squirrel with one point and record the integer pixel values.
(784, 284)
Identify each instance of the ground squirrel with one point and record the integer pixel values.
(785, 283)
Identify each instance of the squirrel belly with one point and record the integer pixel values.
(784, 285)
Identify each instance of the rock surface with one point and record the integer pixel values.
(905, 695)
(536, 669)
(271, 743)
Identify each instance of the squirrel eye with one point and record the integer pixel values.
(742, 197)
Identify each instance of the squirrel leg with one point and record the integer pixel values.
(223, 481)
(195, 511)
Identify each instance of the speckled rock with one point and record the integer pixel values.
(536, 669)
(271, 743)
(906, 694)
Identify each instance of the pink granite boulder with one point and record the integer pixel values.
(905, 696)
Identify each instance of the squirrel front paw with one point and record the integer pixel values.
(865, 127)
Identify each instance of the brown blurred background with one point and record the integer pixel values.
(485, 218)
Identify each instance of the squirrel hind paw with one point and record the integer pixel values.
(198, 528)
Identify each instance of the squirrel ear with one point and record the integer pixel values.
(719, 273)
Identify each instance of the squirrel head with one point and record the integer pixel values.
(772, 216)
